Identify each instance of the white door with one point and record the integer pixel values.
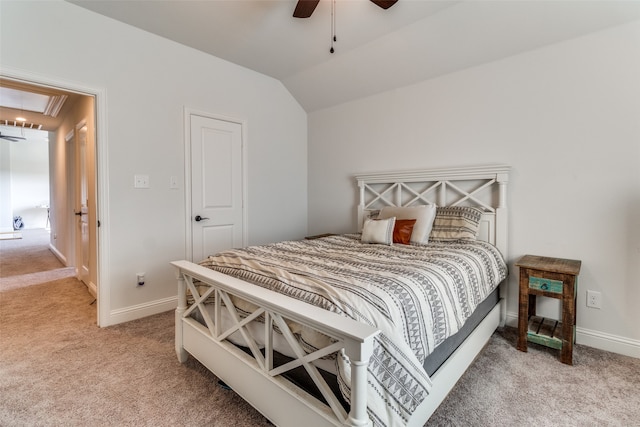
(216, 186)
(82, 206)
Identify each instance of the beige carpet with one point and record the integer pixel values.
(510, 388)
(29, 261)
(57, 368)
(30, 254)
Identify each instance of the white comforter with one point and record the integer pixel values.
(416, 295)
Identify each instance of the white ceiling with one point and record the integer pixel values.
(42, 108)
(376, 50)
(20, 100)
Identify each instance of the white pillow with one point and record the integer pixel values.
(423, 214)
(378, 231)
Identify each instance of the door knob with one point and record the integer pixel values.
(198, 218)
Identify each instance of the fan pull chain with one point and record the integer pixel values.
(333, 25)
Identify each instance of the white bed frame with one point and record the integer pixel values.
(255, 378)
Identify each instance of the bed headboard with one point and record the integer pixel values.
(484, 187)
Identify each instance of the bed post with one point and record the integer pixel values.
(361, 206)
(182, 306)
(359, 354)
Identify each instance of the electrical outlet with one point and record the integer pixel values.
(594, 299)
(140, 277)
(141, 181)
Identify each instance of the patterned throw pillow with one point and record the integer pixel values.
(378, 231)
(456, 223)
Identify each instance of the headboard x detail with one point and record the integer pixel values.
(484, 187)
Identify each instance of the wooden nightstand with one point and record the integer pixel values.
(553, 278)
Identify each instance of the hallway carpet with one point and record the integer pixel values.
(31, 254)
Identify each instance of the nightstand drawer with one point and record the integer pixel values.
(554, 286)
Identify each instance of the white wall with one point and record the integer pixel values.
(6, 209)
(30, 182)
(565, 117)
(25, 178)
(147, 81)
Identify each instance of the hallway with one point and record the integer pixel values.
(28, 261)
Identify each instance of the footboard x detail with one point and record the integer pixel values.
(215, 299)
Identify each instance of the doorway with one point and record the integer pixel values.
(70, 120)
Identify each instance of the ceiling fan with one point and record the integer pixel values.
(11, 137)
(304, 8)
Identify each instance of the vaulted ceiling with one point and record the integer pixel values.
(376, 50)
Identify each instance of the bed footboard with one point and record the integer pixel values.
(254, 376)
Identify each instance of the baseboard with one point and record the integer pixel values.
(596, 339)
(58, 255)
(93, 289)
(608, 342)
(139, 311)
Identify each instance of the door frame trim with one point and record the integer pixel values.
(102, 177)
(188, 112)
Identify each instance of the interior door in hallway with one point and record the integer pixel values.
(82, 207)
(217, 217)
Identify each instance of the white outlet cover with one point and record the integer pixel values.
(141, 181)
(594, 299)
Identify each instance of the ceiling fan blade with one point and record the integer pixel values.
(304, 8)
(385, 4)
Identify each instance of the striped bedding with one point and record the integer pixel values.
(416, 295)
